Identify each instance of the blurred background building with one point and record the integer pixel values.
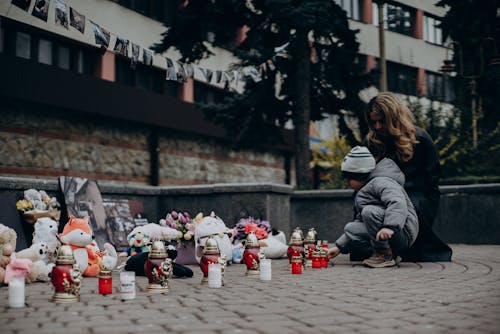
(70, 107)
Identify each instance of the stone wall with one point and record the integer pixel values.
(37, 141)
(467, 214)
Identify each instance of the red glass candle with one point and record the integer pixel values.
(296, 265)
(294, 250)
(252, 260)
(316, 260)
(105, 282)
(324, 244)
(66, 277)
(205, 260)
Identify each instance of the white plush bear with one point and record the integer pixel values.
(36, 252)
(215, 227)
(46, 232)
(156, 232)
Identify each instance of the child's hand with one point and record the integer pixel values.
(384, 234)
(333, 252)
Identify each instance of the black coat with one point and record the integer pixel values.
(422, 174)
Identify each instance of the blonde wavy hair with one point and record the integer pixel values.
(400, 125)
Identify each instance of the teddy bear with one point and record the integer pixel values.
(45, 230)
(78, 235)
(8, 239)
(138, 242)
(36, 252)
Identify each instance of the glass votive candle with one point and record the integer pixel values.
(105, 282)
(296, 265)
(214, 275)
(316, 260)
(16, 292)
(265, 270)
(127, 285)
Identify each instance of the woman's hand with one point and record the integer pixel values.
(333, 252)
(384, 234)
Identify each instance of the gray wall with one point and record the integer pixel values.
(467, 214)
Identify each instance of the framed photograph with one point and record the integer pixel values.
(83, 198)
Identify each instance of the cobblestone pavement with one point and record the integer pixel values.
(458, 297)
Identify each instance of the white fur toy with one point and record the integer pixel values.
(157, 232)
(46, 232)
(215, 227)
(36, 252)
(273, 246)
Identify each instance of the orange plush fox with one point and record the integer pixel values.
(78, 234)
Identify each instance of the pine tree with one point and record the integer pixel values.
(318, 75)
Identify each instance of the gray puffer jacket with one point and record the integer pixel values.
(384, 188)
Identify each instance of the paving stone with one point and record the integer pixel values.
(458, 297)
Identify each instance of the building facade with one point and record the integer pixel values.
(71, 107)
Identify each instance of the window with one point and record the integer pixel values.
(396, 18)
(439, 87)
(432, 31)
(352, 8)
(63, 58)
(207, 94)
(23, 45)
(2, 38)
(401, 78)
(45, 51)
(143, 77)
(48, 49)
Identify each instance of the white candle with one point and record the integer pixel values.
(214, 275)
(127, 285)
(16, 292)
(265, 270)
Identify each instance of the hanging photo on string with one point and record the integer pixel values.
(23, 4)
(171, 72)
(41, 9)
(62, 14)
(121, 46)
(76, 20)
(147, 57)
(135, 55)
(102, 36)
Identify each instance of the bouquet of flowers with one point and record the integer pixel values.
(180, 221)
(261, 228)
(36, 204)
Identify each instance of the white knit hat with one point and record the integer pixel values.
(358, 161)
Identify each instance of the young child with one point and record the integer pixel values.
(384, 214)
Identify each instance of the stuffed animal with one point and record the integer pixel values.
(46, 232)
(17, 268)
(156, 232)
(36, 252)
(215, 227)
(138, 242)
(78, 234)
(8, 239)
(273, 246)
(39, 272)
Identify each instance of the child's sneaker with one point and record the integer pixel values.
(382, 258)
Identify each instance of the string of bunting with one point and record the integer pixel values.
(66, 16)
